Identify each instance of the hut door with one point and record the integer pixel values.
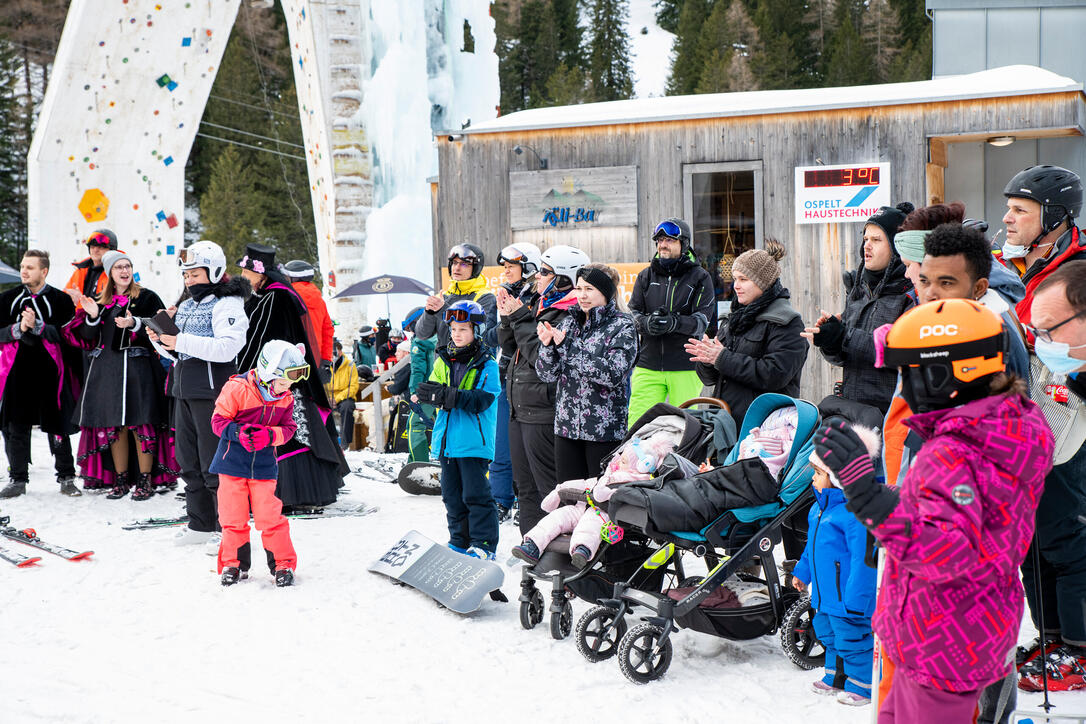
(723, 204)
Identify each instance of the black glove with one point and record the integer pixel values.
(430, 393)
(662, 322)
(831, 335)
(325, 371)
(449, 397)
(845, 454)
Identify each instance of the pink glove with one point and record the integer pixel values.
(880, 343)
(255, 437)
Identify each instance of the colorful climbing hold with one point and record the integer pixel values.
(168, 160)
(186, 42)
(94, 206)
(163, 80)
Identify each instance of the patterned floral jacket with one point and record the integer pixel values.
(592, 367)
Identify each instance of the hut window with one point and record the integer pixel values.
(723, 203)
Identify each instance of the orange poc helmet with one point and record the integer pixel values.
(948, 351)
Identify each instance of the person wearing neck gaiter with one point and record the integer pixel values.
(590, 355)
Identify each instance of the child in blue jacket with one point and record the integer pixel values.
(464, 385)
(842, 586)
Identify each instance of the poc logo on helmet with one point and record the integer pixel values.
(938, 330)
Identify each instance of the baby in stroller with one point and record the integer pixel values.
(693, 502)
(637, 459)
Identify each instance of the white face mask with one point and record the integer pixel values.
(1013, 251)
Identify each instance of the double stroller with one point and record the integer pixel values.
(746, 509)
(707, 432)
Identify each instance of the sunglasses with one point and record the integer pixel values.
(458, 315)
(296, 374)
(667, 228)
(1045, 335)
(544, 272)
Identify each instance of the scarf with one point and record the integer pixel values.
(744, 316)
(468, 287)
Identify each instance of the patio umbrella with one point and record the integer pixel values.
(386, 284)
(7, 274)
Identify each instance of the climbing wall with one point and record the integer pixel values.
(129, 87)
(328, 45)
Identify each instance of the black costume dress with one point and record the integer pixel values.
(311, 464)
(125, 387)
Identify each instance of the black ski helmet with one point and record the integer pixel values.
(1057, 190)
(676, 229)
(467, 252)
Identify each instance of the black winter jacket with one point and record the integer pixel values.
(531, 400)
(866, 310)
(691, 504)
(687, 289)
(768, 357)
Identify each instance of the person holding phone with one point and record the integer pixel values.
(123, 403)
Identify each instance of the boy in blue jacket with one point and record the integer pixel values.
(842, 586)
(464, 385)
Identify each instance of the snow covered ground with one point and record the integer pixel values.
(144, 632)
(650, 52)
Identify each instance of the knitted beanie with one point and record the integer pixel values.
(110, 258)
(760, 265)
(890, 218)
(910, 244)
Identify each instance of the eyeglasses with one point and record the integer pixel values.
(1045, 335)
(122, 267)
(296, 374)
(667, 228)
(458, 315)
(461, 262)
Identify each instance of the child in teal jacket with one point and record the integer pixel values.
(464, 385)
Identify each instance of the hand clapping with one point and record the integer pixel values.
(549, 335)
(705, 350)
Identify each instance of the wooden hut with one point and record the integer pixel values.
(600, 176)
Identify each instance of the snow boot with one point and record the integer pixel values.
(13, 489)
(527, 551)
(580, 557)
(67, 487)
(504, 513)
(851, 698)
(823, 689)
(284, 577)
(480, 553)
(120, 487)
(143, 490)
(232, 575)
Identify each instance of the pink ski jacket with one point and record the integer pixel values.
(951, 601)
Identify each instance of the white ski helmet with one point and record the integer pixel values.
(523, 253)
(566, 261)
(205, 254)
(281, 360)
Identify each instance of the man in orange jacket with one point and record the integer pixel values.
(88, 277)
(301, 275)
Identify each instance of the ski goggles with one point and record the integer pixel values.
(461, 251)
(512, 255)
(98, 239)
(667, 228)
(186, 256)
(461, 315)
(296, 374)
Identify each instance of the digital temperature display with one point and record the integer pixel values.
(859, 176)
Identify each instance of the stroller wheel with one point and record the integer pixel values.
(644, 655)
(531, 611)
(798, 638)
(598, 633)
(562, 622)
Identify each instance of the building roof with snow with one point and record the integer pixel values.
(1013, 80)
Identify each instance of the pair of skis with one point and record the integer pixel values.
(28, 536)
(355, 512)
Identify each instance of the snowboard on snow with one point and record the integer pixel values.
(420, 478)
(457, 581)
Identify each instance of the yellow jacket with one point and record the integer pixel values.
(345, 382)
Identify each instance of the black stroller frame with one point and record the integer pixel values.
(554, 564)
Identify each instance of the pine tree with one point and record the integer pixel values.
(880, 32)
(13, 219)
(912, 63)
(536, 55)
(789, 55)
(740, 74)
(715, 50)
(746, 44)
(609, 50)
(716, 73)
(850, 59)
(687, 62)
(567, 86)
(820, 18)
(667, 14)
(505, 47)
(231, 209)
(913, 22)
(568, 32)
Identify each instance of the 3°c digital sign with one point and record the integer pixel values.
(842, 193)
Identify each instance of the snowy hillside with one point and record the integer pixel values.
(144, 632)
(651, 52)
